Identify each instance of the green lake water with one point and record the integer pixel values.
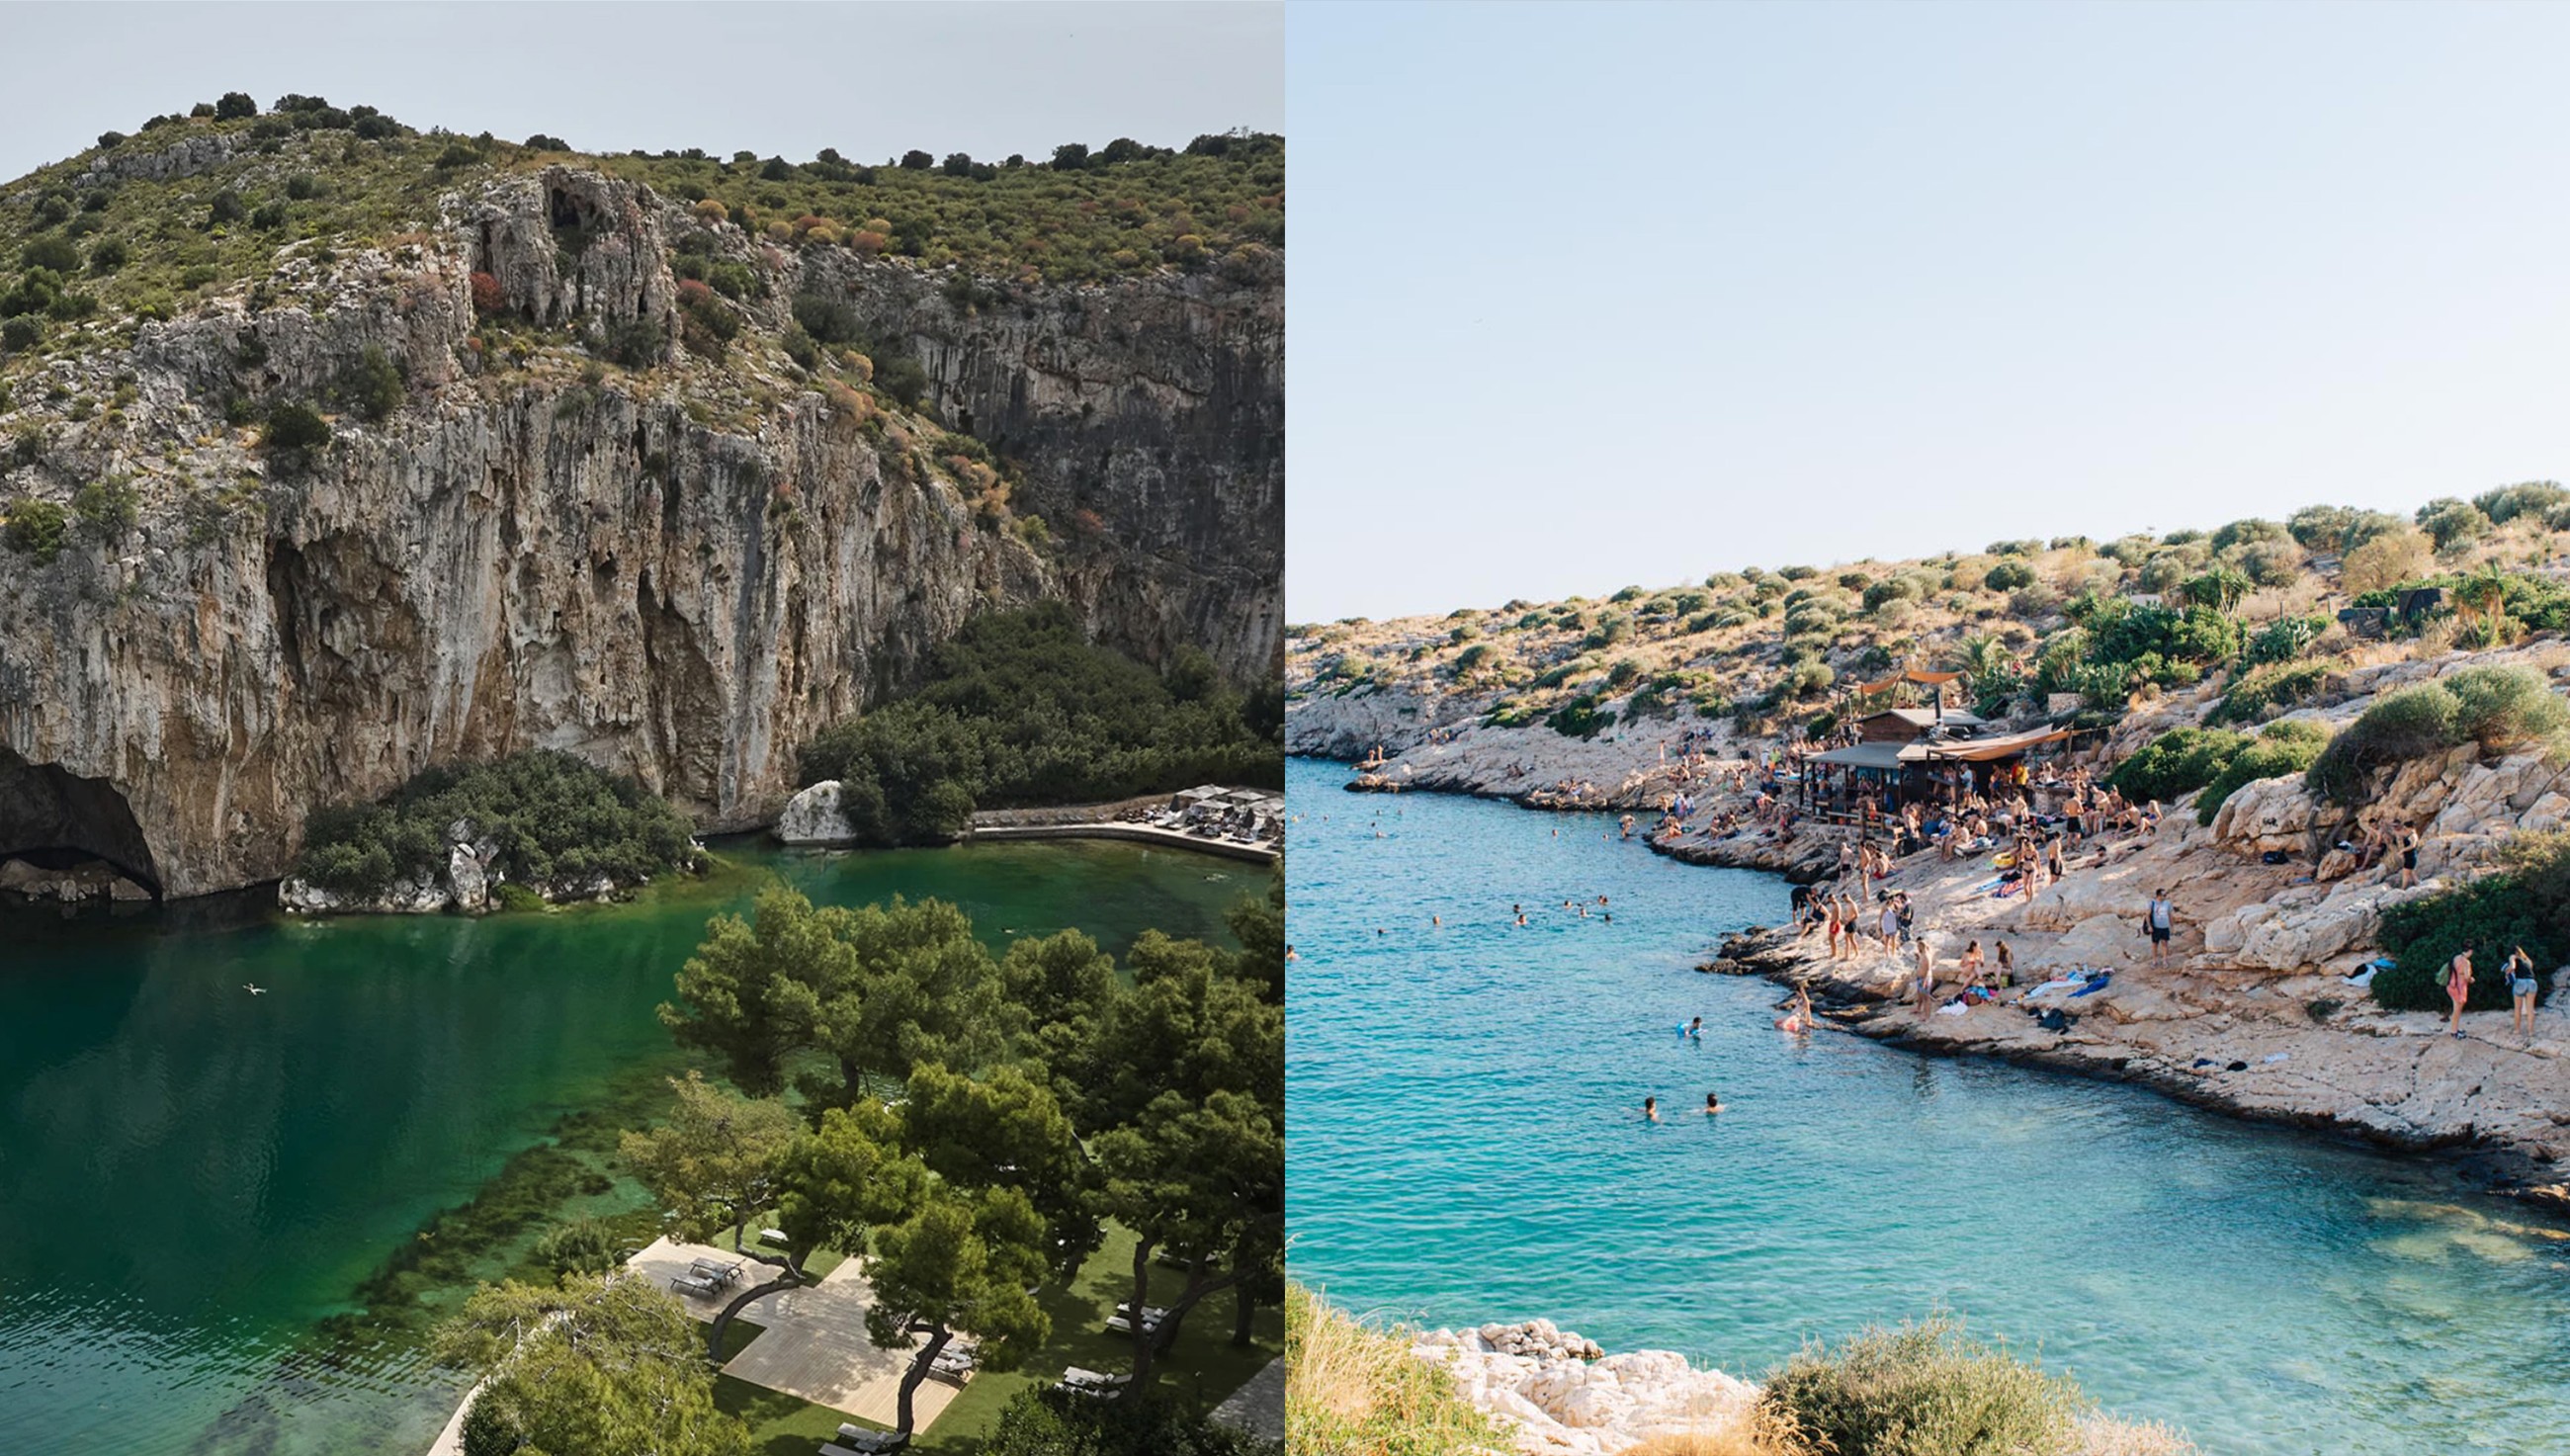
(191, 1175)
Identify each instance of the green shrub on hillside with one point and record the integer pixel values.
(2398, 726)
(2274, 685)
(2502, 710)
(36, 528)
(1020, 708)
(1924, 1389)
(2177, 763)
(2284, 639)
(554, 819)
(2279, 748)
(1580, 718)
(2494, 915)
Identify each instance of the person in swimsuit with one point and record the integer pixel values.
(2521, 989)
(1799, 1018)
(1650, 1109)
(1712, 1104)
(2161, 919)
(1924, 996)
(2458, 987)
(2409, 857)
(1694, 1029)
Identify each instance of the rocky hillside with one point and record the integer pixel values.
(333, 450)
(2305, 980)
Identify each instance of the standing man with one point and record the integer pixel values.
(2162, 919)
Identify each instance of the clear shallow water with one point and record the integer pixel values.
(1464, 1144)
(190, 1177)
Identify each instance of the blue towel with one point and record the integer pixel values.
(2095, 983)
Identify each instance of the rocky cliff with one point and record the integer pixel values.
(679, 569)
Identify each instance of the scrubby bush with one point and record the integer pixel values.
(2009, 575)
(2279, 748)
(2177, 763)
(1924, 1389)
(2401, 554)
(636, 343)
(2504, 708)
(107, 506)
(2283, 639)
(2273, 686)
(370, 388)
(553, 817)
(1020, 708)
(295, 427)
(2400, 726)
(107, 255)
(2494, 915)
(1580, 718)
(36, 528)
(2452, 522)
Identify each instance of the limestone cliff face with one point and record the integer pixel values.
(1155, 408)
(680, 573)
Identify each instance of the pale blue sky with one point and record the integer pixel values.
(873, 80)
(1586, 297)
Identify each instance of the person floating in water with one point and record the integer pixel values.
(1693, 1029)
(1712, 1104)
(1650, 1109)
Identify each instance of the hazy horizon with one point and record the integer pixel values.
(1634, 293)
(988, 78)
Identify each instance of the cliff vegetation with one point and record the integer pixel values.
(1020, 708)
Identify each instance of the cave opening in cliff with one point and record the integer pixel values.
(55, 819)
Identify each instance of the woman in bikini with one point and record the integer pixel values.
(2458, 987)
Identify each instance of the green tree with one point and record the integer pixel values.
(878, 990)
(1007, 1130)
(595, 1364)
(713, 1162)
(960, 1263)
(1181, 1085)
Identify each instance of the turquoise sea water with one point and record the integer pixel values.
(1464, 1144)
(191, 1175)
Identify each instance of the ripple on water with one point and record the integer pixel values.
(1464, 1144)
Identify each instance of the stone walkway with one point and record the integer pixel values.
(813, 1345)
(1259, 1406)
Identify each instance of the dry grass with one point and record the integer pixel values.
(1753, 1432)
(1355, 1391)
(2101, 1436)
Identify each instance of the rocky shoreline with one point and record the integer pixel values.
(1561, 1395)
(2257, 1017)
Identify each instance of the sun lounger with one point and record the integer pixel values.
(1122, 1322)
(773, 1236)
(1090, 1382)
(697, 1285)
(715, 1269)
(866, 1442)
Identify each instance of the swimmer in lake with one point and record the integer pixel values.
(1650, 1109)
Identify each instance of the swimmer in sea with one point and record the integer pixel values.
(1650, 1109)
(1712, 1104)
(1799, 1019)
(1521, 917)
(1435, 922)
(1694, 1028)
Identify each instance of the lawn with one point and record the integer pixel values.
(1203, 1369)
